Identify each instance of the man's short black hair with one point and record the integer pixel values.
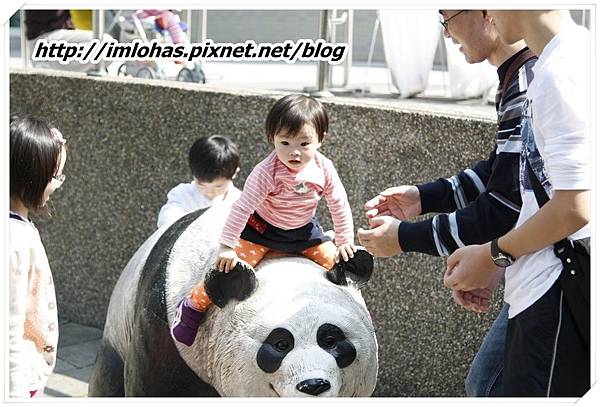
(213, 157)
(292, 112)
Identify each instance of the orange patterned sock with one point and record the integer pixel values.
(199, 299)
(250, 252)
(323, 254)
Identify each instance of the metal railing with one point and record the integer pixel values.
(329, 20)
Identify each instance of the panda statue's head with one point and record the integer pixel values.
(297, 335)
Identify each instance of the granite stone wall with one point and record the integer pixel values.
(128, 143)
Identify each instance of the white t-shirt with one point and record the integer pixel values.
(556, 136)
(185, 198)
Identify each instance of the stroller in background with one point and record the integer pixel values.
(131, 27)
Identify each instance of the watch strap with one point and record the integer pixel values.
(496, 251)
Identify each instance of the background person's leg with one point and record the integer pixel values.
(485, 375)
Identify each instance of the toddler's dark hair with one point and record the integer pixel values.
(213, 157)
(292, 112)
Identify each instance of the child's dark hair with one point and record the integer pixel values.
(213, 157)
(34, 160)
(292, 112)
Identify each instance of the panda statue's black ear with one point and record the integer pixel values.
(239, 283)
(357, 270)
(337, 275)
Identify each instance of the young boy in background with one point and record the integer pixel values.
(214, 162)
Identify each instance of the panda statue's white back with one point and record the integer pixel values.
(297, 335)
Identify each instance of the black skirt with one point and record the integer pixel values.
(260, 231)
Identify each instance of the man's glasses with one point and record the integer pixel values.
(444, 23)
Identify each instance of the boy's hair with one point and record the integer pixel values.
(292, 112)
(34, 160)
(213, 157)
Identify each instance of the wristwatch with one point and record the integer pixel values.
(500, 258)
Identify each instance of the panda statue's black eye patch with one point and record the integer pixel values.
(277, 345)
(333, 341)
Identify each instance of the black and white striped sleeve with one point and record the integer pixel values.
(449, 194)
(481, 203)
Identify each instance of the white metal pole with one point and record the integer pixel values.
(323, 68)
(350, 41)
(25, 51)
(98, 33)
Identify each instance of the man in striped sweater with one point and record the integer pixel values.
(475, 206)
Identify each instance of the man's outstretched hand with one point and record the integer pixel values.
(403, 202)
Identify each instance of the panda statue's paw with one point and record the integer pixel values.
(239, 283)
(357, 269)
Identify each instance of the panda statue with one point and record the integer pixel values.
(297, 334)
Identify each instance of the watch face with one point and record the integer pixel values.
(502, 262)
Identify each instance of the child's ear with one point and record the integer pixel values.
(236, 173)
(322, 139)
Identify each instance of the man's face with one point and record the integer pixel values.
(467, 28)
(506, 22)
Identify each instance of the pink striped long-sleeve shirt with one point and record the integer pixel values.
(288, 199)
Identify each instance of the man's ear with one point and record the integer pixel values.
(236, 173)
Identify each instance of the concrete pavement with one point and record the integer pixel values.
(77, 347)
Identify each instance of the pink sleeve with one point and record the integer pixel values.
(147, 13)
(258, 184)
(337, 202)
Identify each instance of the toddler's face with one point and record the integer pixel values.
(295, 151)
(214, 189)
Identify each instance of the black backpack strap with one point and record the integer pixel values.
(540, 194)
(514, 67)
(542, 197)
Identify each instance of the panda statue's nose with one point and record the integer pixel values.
(314, 387)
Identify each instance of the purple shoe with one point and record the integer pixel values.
(186, 323)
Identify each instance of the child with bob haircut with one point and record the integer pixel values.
(214, 162)
(276, 211)
(37, 159)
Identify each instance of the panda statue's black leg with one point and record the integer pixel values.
(239, 283)
(106, 379)
(357, 269)
(153, 365)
